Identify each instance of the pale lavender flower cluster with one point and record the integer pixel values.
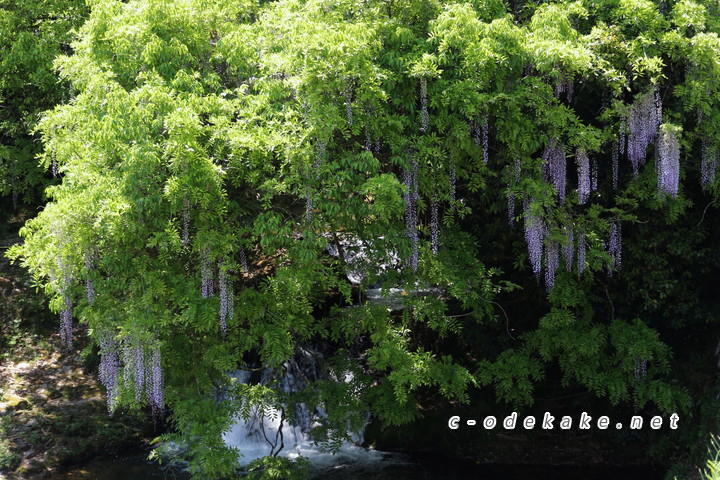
(66, 321)
(552, 262)
(133, 360)
(594, 175)
(66, 312)
(155, 386)
(186, 223)
(640, 368)
(138, 353)
(667, 162)
(434, 226)
(568, 249)
(54, 166)
(243, 260)
(567, 86)
(410, 180)
(424, 117)
(227, 298)
(534, 235)
(583, 171)
(615, 163)
(109, 368)
(643, 123)
(619, 151)
(554, 166)
(141, 368)
(615, 246)
(709, 163)
(89, 287)
(581, 252)
(347, 93)
(308, 204)
(207, 288)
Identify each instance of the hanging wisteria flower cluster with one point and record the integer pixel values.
(434, 226)
(583, 171)
(534, 234)
(109, 368)
(227, 298)
(243, 260)
(186, 223)
(134, 362)
(566, 86)
(542, 247)
(552, 261)
(554, 166)
(643, 123)
(618, 150)
(709, 163)
(640, 368)
(615, 246)
(481, 134)
(67, 306)
(141, 368)
(410, 181)
(581, 252)
(66, 321)
(667, 161)
(207, 288)
(89, 287)
(594, 175)
(155, 390)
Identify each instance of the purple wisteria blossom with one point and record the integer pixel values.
(424, 117)
(667, 162)
(583, 171)
(207, 288)
(410, 181)
(643, 122)
(614, 246)
(534, 235)
(554, 166)
(109, 368)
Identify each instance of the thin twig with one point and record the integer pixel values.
(507, 319)
(703, 215)
(612, 307)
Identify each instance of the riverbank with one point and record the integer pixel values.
(53, 412)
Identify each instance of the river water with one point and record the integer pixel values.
(382, 466)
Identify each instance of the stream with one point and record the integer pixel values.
(378, 466)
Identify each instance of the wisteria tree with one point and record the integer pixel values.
(213, 150)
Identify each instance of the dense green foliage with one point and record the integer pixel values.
(32, 34)
(232, 114)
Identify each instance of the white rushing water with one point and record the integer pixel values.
(265, 433)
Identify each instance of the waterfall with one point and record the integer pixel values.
(270, 432)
